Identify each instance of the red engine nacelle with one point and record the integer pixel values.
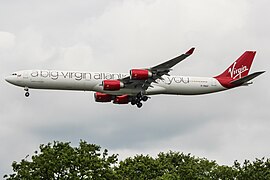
(101, 97)
(124, 99)
(140, 74)
(112, 85)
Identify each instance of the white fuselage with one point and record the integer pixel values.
(92, 81)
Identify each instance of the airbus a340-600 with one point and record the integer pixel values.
(139, 84)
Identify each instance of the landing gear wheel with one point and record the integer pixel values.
(27, 94)
(139, 95)
(144, 98)
(133, 102)
(139, 104)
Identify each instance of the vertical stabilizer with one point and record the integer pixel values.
(237, 70)
(240, 67)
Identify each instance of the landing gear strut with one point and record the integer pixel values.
(26, 92)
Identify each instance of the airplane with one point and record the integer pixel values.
(137, 86)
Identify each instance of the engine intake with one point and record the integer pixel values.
(140, 74)
(112, 85)
(101, 97)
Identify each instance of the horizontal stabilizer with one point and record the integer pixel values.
(245, 79)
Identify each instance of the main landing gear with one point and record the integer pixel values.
(27, 94)
(137, 99)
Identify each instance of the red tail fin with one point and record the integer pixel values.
(237, 70)
(240, 67)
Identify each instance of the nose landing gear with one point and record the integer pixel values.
(27, 94)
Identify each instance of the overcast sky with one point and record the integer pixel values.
(115, 36)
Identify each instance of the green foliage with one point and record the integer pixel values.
(258, 169)
(171, 165)
(139, 167)
(59, 160)
(185, 166)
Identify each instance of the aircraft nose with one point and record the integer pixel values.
(8, 79)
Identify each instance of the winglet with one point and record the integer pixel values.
(189, 52)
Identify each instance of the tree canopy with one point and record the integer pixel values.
(59, 160)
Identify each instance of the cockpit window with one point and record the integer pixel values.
(14, 74)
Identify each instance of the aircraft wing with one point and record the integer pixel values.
(156, 72)
(170, 63)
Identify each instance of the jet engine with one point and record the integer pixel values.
(112, 85)
(140, 74)
(101, 97)
(124, 99)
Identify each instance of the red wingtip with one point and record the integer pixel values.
(189, 52)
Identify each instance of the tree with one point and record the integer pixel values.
(258, 169)
(61, 161)
(139, 167)
(171, 165)
(185, 166)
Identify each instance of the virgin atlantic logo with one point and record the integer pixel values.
(237, 73)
